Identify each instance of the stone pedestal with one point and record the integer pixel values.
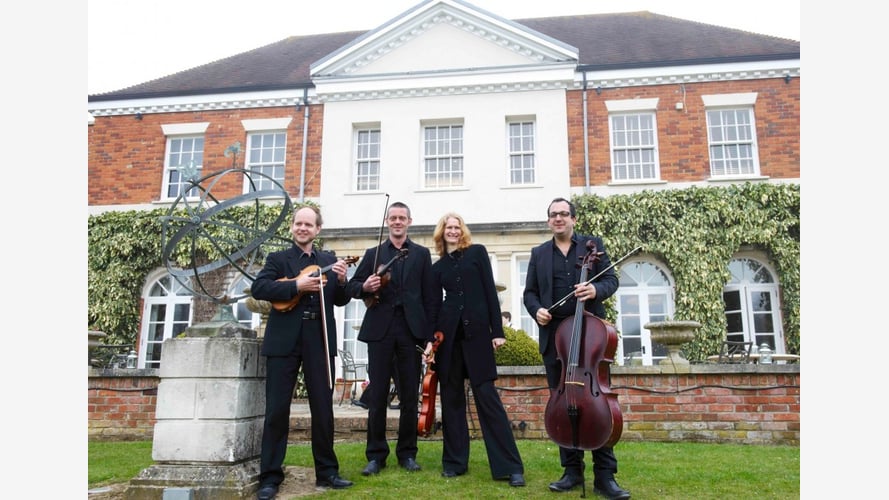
(210, 408)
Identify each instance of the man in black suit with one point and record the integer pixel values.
(400, 303)
(294, 339)
(553, 273)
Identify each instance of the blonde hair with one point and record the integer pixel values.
(438, 234)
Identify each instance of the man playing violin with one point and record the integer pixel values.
(552, 274)
(398, 320)
(295, 339)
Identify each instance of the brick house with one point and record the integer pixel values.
(449, 107)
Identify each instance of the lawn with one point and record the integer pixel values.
(647, 470)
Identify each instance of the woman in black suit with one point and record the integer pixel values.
(469, 318)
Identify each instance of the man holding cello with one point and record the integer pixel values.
(553, 273)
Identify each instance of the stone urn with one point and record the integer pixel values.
(673, 334)
(94, 339)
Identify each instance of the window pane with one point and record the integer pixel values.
(443, 165)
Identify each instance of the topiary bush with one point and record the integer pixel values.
(519, 350)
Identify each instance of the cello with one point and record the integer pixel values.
(582, 411)
(426, 420)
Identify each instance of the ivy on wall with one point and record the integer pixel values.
(694, 232)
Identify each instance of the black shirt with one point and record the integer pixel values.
(564, 278)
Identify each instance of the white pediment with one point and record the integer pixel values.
(443, 36)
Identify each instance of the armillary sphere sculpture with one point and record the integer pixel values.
(200, 224)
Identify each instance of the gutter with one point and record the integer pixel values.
(302, 167)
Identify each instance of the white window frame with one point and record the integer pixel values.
(634, 148)
(442, 155)
(177, 135)
(521, 143)
(245, 316)
(646, 296)
(353, 316)
(155, 330)
(521, 320)
(367, 164)
(731, 135)
(747, 286)
(270, 159)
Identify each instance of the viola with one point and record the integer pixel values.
(385, 274)
(426, 422)
(582, 412)
(312, 272)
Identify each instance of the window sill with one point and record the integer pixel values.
(735, 178)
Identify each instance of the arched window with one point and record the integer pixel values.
(353, 315)
(645, 294)
(244, 315)
(167, 312)
(752, 310)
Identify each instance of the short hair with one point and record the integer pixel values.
(318, 221)
(438, 234)
(557, 200)
(506, 315)
(399, 204)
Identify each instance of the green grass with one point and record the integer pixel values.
(647, 470)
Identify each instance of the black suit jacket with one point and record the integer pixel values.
(283, 328)
(539, 282)
(470, 300)
(417, 292)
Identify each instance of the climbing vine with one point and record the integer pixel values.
(694, 232)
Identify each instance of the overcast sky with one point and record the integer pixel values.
(131, 42)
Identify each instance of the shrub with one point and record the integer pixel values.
(519, 350)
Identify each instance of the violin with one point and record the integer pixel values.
(385, 274)
(426, 422)
(582, 411)
(312, 272)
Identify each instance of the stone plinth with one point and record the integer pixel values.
(210, 409)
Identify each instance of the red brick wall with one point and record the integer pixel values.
(121, 408)
(750, 404)
(126, 155)
(682, 135)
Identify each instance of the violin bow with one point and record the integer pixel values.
(324, 332)
(382, 225)
(587, 282)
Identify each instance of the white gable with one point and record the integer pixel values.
(444, 47)
(444, 36)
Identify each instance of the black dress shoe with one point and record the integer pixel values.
(334, 481)
(609, 488)
(359, 403)
(372, 467)
(567, 483)
(451, 473)
(267, 492)
(516, 480)
(410, 464)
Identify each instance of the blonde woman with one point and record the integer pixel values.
(469, 317)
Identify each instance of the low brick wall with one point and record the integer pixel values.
(751, 404)
(121, 404)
